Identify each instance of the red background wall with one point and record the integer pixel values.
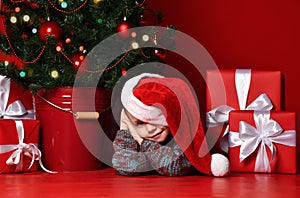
(256, 34)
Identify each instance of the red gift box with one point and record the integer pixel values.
(15, 102)
(241, 89)
(262, 141)
(19, 139)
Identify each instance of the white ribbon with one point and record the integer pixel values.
(4, 92)
(266, 133)
(30, 150)
(219, 115)
(14, 110)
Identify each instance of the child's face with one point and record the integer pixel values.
(156, 133)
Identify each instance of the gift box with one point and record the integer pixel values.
(15, 102)
(241, 89)
(262, 141)
(19, 145)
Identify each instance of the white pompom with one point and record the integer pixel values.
(219, 165)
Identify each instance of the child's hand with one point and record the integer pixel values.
(126, 124)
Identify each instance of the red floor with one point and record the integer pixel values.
(105, 183)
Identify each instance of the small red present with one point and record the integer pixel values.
(15, 102)
(19, 146)
(240, 89)
(262, 141)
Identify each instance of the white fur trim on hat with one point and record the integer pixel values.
(137, 108)
(219, 165)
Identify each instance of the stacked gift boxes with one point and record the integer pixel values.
(244, 121)
(19, 130)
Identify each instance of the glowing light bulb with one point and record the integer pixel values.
(6, 63)
(134, 45)
(124, 72)
(26, 18)
(63, 4)
(97, 1)
(100, 21)
(22, 74)
(68, 40)
(81, 48)
(54, 73)
(133, 34)
(17, 9)
(58, 48)
(34, 30)
(13, 19)
(145, 37)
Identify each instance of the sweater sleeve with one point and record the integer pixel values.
(166, 160)
(127, 160)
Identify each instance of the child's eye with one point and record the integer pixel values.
(139, 123)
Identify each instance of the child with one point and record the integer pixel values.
(160, 129)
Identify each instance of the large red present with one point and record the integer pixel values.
(262, 141)
(15, 102)
(240, 89)
(19, 145)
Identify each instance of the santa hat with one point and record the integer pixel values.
(155, 99)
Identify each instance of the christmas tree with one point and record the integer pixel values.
(44, 42)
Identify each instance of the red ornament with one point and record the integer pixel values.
(148, 18)
(77, 59)
(50, 28)
(123, 29)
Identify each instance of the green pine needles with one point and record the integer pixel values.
(43, 42)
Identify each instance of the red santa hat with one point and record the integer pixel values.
(170, 102)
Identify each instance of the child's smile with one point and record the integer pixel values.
(149, 131)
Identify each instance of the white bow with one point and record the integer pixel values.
(15, 109)
(220, 115)
(266, 133)
(30, 150)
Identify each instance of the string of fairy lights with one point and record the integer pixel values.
(53, 28)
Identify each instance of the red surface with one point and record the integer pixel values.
(105, 183)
